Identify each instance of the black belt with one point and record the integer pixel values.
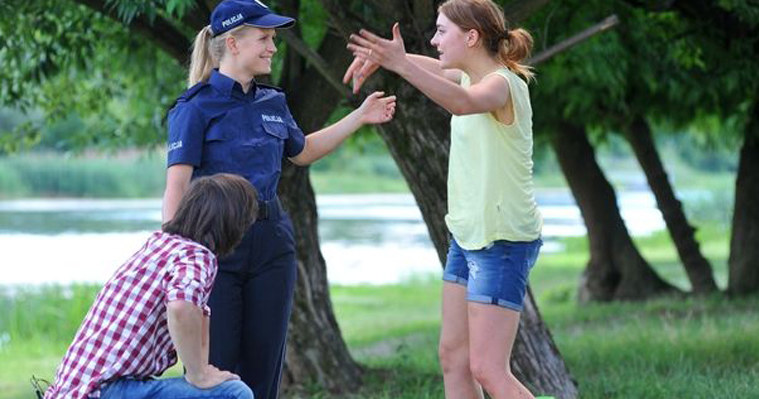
(268, 209)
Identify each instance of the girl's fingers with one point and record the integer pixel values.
(355, 49)
(354, 74)
(367, 69)
(358, 40)
(397, 32)
(363, 52)
(369, 36)
(352, 69)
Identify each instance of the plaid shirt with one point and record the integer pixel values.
(126, 333)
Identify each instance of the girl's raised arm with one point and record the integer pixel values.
(489, 94)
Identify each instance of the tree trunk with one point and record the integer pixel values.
(744, 251)
(697, 267)
(616, 269)
(316, 351)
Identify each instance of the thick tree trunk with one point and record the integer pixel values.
(744, 251)
(616, 269)
(697, 267)
(316, 351)
(419, 146)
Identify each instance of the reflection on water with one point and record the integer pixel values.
(376, 239)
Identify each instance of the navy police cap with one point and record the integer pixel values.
(230, 14)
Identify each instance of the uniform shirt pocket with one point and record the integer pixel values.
(217, 148)
(260, 151)
(275, 129)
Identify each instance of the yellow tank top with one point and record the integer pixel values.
(490, 188)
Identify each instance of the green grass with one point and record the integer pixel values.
(696, 348)
(128, 175)
(338, 182)
(664, 348)
(690, 348)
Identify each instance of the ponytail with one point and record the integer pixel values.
(202, 61)
(207, 52)
(509, 47)
(514, 48)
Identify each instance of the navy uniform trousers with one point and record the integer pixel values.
(251, 302)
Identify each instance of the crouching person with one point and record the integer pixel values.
(154, 307)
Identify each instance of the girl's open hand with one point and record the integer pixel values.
(359, 70)
(377, 109)
(389, 54)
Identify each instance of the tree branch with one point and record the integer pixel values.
(199, 16)
(520, 10)
(338, 17)
(159, 31)
(564, 45)
(315, 59)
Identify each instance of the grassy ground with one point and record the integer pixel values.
(666, 348)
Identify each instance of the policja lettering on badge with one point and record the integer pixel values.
(272, 118)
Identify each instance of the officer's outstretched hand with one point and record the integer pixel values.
(377, 109)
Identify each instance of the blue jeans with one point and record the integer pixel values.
(496, 274)
(173, 388)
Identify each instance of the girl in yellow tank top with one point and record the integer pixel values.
(492, 215)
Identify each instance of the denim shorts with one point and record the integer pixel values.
(496, 274)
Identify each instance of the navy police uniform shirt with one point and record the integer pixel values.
(217, 128)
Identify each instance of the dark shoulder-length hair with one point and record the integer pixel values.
(215, 212)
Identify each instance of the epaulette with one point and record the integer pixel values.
(192, 91)
(270, 87)
(186, 96)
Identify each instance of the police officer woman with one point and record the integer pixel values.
(226, 122)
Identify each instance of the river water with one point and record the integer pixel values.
(366, 239)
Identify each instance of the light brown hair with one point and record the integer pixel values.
(215, 212)
(208, 51)
(510, 46)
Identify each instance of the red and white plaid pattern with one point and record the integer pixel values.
(126, 333)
